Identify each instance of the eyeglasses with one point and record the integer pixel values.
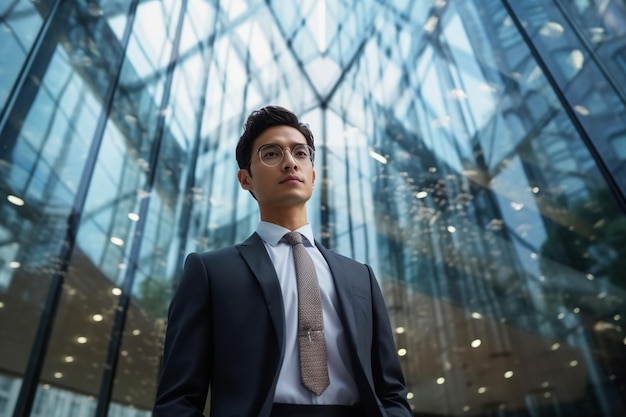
(272, 155)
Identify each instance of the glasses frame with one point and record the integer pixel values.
(282, 150)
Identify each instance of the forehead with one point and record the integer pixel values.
(280, 135)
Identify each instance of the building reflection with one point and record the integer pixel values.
(472, 153)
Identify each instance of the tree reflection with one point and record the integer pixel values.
(598, 248)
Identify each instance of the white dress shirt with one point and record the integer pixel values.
(289, 389)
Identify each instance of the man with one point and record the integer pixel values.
(237, 320)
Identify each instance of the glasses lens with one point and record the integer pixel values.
(271, 155)
(301, 152)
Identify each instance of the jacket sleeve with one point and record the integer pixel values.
(186, 368)
(387, 373)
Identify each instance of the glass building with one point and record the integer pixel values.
(473, 152)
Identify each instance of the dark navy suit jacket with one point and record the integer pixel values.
(226, 331)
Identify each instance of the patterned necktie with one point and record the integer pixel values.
(313, 365)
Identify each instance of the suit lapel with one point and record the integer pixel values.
(254, 254)
(352, 289)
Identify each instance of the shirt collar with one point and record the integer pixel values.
(273, 233)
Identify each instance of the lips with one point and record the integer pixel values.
(291, 178)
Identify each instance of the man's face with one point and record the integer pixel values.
(290, 183)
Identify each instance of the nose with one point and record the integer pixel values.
(289, 162)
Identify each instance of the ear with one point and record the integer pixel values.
(313, 179)
(244, 179)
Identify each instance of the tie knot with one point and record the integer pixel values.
(293, 238)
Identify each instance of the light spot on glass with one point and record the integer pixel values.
(487, 88)
(94, 9)
(551, 29)
(582, 110)
(402, 352)
(15, 200)
(117, 241)
(441, 380)
(81, 339)
(476, 343)
(133, 216)
(576, 59)
(378, 157)
(431, 24)
(457, 94)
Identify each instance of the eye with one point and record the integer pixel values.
(271, 152)
(301, 152)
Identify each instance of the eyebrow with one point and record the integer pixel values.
(281, 146)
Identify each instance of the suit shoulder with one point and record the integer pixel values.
(220, 253)
(203, 260)
(216, 262)
(227, 253)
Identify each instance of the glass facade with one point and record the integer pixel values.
(472, 152)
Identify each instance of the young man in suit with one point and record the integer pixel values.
(235, 325)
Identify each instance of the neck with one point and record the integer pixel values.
(288, 217)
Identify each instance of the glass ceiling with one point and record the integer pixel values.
(472, 152)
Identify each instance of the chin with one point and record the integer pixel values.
(295, 199)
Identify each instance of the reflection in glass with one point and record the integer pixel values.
(472, 153)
